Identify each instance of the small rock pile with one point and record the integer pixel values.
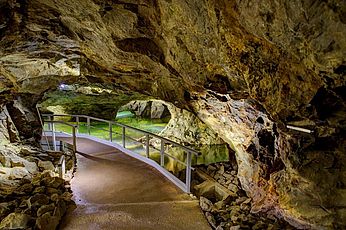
(40, 203)
(225, 204)
(32, 196)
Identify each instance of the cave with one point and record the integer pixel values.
(252, 94)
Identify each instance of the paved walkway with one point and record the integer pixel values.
(115, 191)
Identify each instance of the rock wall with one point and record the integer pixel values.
(152, 109)
(93, 100)
(31, 193)
(246, 68)
(224, 203)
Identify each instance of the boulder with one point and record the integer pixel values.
(7, 186)
(206, 205)
(50, 191)
(153, 109)
(47, 222)
(46, 165)
(5, 209)
(53, 182)
(60, 208)
(54, 197)
(210, 219)
(66, 196)
(40, 189)
(17, 164)
(159, 110)
(24, 189)
(38, 200)
(17, 173)
(15, 221)
(45, 208)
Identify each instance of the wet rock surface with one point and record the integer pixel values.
(225, 204)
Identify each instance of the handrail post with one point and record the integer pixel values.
(74, 139)
(188, 172)
(88, 125)
(62, 146)
(54, 139)
(123, 136)
(62, 166)
(77, 122)
(110, 132)
(162, 153)
(50, 123)
(147, 145)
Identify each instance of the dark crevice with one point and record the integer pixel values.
(172, 70)
(326, 103)
(6, 15)
(131, 7)
(218, 83)
(23, 10)
(218, 96)
(341, 92)
(260, 120)
(340, 69)
(265, 153)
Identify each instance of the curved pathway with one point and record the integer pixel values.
(115, 191)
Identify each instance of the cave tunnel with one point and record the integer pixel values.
(172, 114)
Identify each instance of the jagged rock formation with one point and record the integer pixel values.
(245, 68)
(152, 109)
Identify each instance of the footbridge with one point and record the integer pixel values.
(121, 181)
(118, 135)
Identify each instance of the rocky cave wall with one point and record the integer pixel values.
(245, 68)
(94, 100)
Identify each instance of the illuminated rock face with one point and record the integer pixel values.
(245, 68)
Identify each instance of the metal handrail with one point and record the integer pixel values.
(129, 127)
(164, 141)
(62, 161)
(74, 128)
(62, 166)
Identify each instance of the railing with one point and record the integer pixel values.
(164, 142)
(62, 166)
(62, 161)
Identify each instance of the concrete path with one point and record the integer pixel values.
(115, 191)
